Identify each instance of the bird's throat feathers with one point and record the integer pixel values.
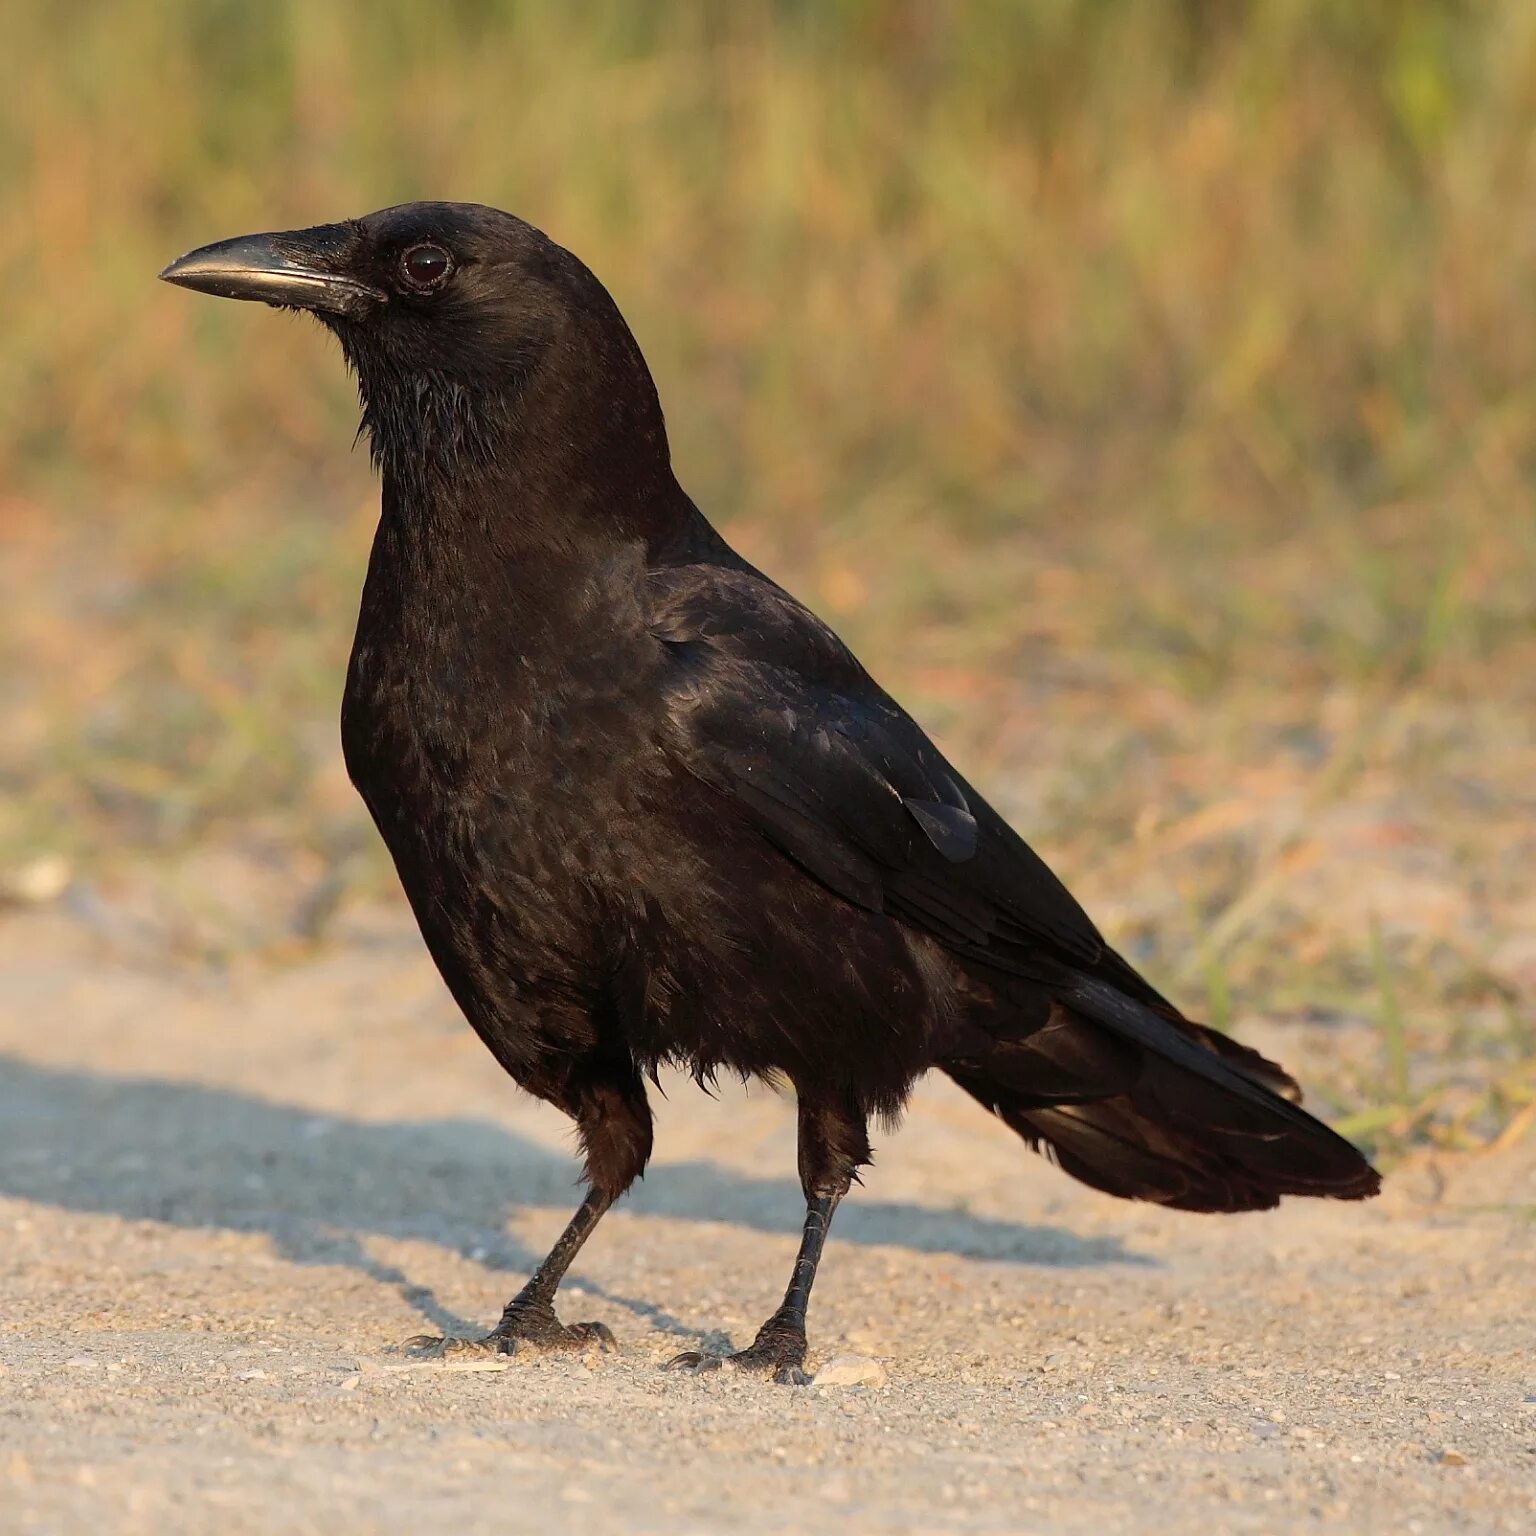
(429, 432)
(540, 443)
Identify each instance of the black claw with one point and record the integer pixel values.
(781, 1359)
(533, 1332)
(594, 1333)
(429, 1346)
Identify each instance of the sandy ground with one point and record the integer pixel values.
(225, 1196)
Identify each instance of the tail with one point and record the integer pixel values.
(1153, 1107)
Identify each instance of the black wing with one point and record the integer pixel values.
(1131, 1097)
(772, 709)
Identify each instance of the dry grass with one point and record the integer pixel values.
(1145, 390)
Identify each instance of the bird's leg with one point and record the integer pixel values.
(779, 1348)
(615, 1128)
(834, 1143)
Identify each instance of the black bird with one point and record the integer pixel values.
(648, 809)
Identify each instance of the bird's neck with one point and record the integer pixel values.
(568, 450)
(522, 516)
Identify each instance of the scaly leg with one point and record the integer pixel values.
(615, 1128)
(834, 1143)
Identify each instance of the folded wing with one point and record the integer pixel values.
(1072, 1048)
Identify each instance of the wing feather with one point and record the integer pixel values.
(769, 707)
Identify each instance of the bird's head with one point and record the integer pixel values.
(468, 330)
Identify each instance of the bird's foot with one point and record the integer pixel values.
(777, 1351)
(522, 1329)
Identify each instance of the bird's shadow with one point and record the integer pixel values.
(318, 1185)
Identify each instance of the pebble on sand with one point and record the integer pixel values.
(850, 1371)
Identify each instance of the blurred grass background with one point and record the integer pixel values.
(1145, 389)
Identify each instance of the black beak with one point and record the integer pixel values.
(300, 269)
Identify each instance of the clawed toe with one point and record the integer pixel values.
(429, 1346)
(593, 1333)
(534, 1333)
(779, 1358)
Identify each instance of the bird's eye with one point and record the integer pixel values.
(425, 267)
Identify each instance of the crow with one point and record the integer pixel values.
(648, 809)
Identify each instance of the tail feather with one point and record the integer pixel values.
(1152, 1107)
(1246, 1060)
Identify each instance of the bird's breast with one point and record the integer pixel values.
(480, 745)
